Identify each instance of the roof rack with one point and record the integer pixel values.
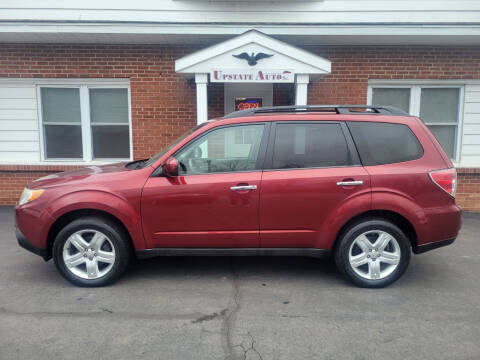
(338, 109)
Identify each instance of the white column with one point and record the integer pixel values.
(301, 89)
(202, 103)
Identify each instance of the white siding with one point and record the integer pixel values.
(19, 135)
(179, 11)
(471, 127)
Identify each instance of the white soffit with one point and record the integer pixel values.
(285, 56)
(177, 34)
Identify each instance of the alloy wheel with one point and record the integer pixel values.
(89, 254)
(374, 255)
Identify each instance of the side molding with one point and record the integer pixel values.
(307, 252)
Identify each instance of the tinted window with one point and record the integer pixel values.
(384, 143)
(309, 145)
(219, 151)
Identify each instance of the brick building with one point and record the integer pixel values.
(122, 83)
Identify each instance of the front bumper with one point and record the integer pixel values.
(23, 242)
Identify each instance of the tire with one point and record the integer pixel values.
(88, 241)
(374, 266)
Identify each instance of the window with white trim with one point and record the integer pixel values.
(84, 122)
(438, 106)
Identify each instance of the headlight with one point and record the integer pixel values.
(29, 195)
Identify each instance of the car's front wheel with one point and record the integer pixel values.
(91, 251)
(373, 253)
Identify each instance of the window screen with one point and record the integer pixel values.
(398, 97)
(384, 143)
(109, 121)
(439, 111)
(309, 145)
(61, 122)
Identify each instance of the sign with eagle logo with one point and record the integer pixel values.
(253, 72)
(252, 75)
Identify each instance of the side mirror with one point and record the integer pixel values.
(170, 167)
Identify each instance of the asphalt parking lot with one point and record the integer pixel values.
(242, 308)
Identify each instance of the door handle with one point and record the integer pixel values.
(350, 183)
(243, 187)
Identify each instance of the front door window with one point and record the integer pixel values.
(221, 151)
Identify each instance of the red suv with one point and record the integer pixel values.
(365, 184)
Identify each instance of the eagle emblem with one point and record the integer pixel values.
(252, 59)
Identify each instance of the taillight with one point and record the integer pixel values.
(445, 179)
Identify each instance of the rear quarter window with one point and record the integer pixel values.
(385, 143)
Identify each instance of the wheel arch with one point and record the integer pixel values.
(399, 220)
(70, 216)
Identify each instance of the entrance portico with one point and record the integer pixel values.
(249, 65)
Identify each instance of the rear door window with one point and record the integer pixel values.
(385, 143)
(309, 145)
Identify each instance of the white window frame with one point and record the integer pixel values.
(414, 104)
(87, 145)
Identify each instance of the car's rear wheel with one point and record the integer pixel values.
(91, 251)
(373, 253)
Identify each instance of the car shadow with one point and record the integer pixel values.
(321, 272)
(245, 266)
(261, 269)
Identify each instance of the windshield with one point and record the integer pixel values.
(172, 144)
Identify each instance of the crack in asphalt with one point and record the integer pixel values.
(246, 349)
(252, 347)
(229, 319)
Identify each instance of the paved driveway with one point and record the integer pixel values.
(237, 308)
